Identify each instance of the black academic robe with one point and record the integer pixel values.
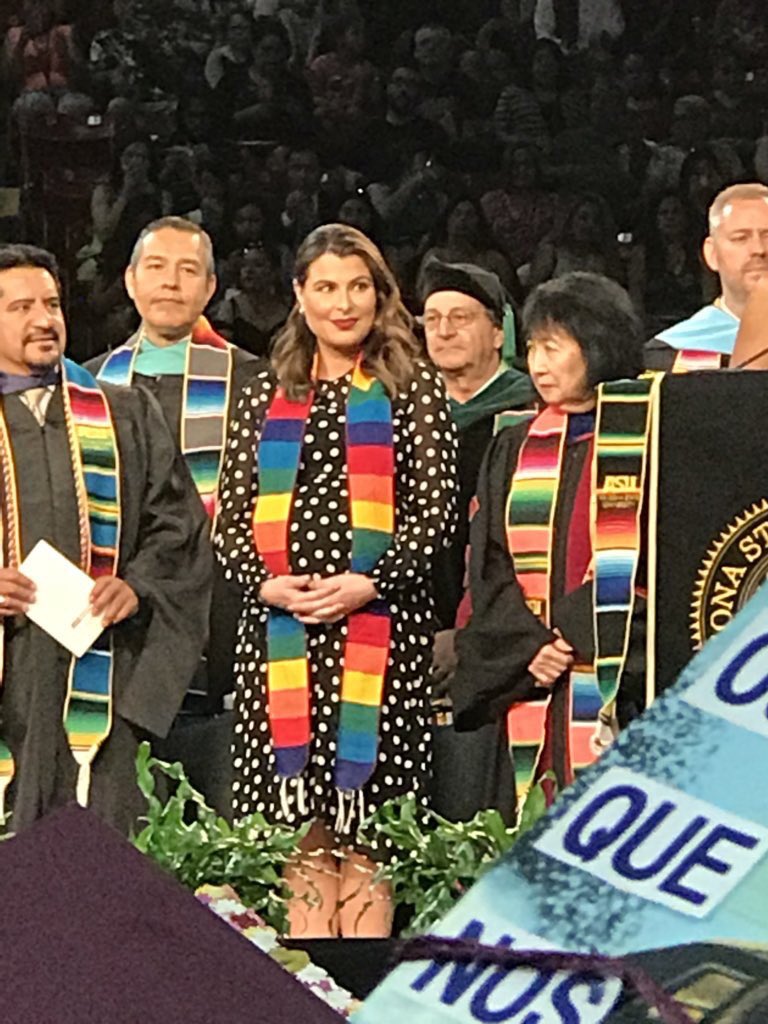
(471, 770)
(503, 635)
(214, 678)
(164, 556)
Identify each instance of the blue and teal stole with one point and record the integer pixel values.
(704, 340)
(370, 467)
(207, 384)
(87, 714)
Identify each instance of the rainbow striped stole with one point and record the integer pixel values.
(618, 484)
(207, 385)
(370, 469)
(688, 360)
(87, 714)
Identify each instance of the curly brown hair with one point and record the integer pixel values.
(390, 349)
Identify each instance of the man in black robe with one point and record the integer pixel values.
(171, 280)
(154, 605)
(464, 320)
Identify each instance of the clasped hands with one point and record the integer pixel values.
(315, 599)
(112, 599)
(551, 661)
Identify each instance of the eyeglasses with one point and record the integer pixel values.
(457, 318)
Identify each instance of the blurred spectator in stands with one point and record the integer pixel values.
(669, 268)
(255, 307)
(394, 139)
(518, 117)
(547, 83)
(195, 121)
(178, 181)
(121, 114)
(303, 21)
(433, 55)
(586, 241)
(701, 178)
(733, 116)
(236, 48)
(690, 127)
(462, 236)
(247, 227)
(409, 209)
(740, 24)
(118, 203)
(642, 96)
(312, 198)
(268, 100)
(485, 74)
(344, 85)
(578, 25)
(358, 211)
(74, 109)
(38, 54)
(345, 90)
(119, 58)
(522, 212)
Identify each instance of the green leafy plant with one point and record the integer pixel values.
(197, 846)
(435, 860)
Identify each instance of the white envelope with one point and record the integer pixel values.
(62, 602)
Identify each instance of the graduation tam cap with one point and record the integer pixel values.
(478, 283)
(93, 930)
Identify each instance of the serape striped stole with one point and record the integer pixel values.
(370, 470)
(87, 714)
(207, 384)
(689, 360)
(618, 470)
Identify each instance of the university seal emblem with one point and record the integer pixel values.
(734, 568)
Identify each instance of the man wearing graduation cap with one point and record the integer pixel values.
(737, 250)
(469, 329)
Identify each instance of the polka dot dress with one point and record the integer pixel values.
(321, 539)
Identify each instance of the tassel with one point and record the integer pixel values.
(509, 345)
(84, 783)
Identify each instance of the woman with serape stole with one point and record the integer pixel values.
(556, 636)
(337, 489)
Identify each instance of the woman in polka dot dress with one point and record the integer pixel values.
(348, 330)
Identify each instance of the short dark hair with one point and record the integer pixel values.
(189, 227)
(17, 255)
(598, 314)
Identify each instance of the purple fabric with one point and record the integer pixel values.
(431, 947)
(15, 383)
(93, 931)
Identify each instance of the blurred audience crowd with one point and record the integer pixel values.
(531, 137)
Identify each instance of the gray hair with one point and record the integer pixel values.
(720, 207)
(175, 224)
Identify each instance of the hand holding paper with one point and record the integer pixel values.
(113, 600)
(62, 599)
(16, 592)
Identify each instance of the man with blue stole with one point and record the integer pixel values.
(736, 249)
(196, 376)
(93, 470)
